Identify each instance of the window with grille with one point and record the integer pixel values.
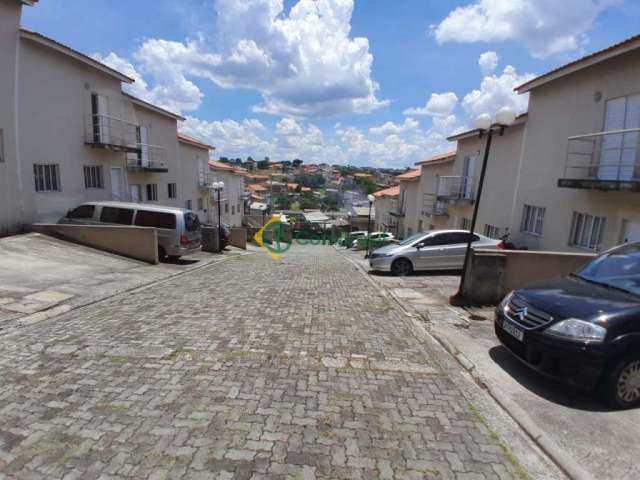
(586, 231)
(491, 231)
(152, 192)
(93, 176)
(172, 190)
(47, 177)
(532, 219)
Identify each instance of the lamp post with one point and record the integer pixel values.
(486, 127)
(371, 199)
(218, 187)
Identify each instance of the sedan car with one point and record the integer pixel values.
(431, 250)
(382, 236)
(582, 329)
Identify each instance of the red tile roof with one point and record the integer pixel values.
(220, 166)
(257, 188)
(388, 192)
(624, 46)
(438, 159)
(410, 175)
(194, 141)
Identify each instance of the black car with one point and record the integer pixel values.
(583, 329)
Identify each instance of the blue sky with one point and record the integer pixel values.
(366, 82)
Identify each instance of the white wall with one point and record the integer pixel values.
(429, 178)
(231, 208)
(410, 205)
(191, 160)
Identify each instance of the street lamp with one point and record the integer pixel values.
(371, 199)
(218, 187)
(486, 127)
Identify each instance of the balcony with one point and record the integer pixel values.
(455, 188)
(150, 158)
(103, 131)
(205, 180)
(432, 207)
(608, 161)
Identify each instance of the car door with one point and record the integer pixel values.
(431, 255)
(455, 250)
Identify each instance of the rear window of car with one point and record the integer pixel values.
(462, 237)
(83, 211)
(191, 222)
(148, 218)
(122, 216)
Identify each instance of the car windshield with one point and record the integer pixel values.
(412, 238)
(618, 269)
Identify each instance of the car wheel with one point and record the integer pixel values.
(401, 267)
(162, 254)
(621, 387)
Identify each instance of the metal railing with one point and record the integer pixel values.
(205, 180)
(432, 206)
(105, 131)
(149, 158)
(455, 187)
(609, 156)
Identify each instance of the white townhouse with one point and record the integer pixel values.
(68, 133)
(194, 185)
(233, 196)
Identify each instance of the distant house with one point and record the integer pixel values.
(386, 203)
(358, 217)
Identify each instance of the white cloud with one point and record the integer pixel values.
(171, 91)
(439, 105)
(304, 63)
(545, 27)
(288, 126)
(390, 128)
(496, 92)
(488, 62)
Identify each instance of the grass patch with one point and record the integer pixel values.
(520, 472)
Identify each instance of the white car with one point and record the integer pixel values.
(375, 236)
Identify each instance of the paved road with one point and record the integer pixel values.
(247, 369)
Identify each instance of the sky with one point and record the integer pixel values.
(378, 83)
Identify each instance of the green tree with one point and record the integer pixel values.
(297, 162)
(283, 201)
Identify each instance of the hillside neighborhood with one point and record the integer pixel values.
(183, 297)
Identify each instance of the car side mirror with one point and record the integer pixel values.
(419, 245)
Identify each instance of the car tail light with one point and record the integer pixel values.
(184, 241)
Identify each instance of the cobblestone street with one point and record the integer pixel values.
(247, 369)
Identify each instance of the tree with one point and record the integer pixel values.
(297, 162)
(283, 201)
(315, 180)
(366, 185)
(263, 164)
(224, 160)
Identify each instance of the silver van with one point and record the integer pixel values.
(178, 229)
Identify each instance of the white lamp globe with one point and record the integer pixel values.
(371, 198)
(506, 116)
(483, 122)
(221, 184)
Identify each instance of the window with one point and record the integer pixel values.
(122, 216)
(93, 176)
(586, 230)
(172, 190)
(187, 204)
(83, 211)
(465, 224)
(491, 231)
(532, 219)
(148, 218)
(233, 209)
(47, 177)
(191, 222)
(136, 192)
(152, 192)
(226, 208)
(1, 145)
(200, 204)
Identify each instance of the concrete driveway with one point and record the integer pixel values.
(39, 273)
(601, 441)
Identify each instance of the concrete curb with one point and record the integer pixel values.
(65, 307)
(565, 462)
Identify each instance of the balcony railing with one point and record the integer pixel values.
(603, 161)
(104, 131)
(150, 158)
(431, 206)
(205, 180)
(455, 188)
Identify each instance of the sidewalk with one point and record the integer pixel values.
(579, 433)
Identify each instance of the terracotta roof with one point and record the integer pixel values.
(438, 159)
(520, 119)
(62, 48)
(255, 176)
(388, 192)
(194, 141)
(410, 175)
(292, 185)
(220, 166)
(151, 106)
(363, 175)
(627, 45)
(257, 188)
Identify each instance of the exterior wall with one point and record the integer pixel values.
(232, 204)
(54, 100)
(10, 181)
(162, 132)
(192, 163)
(410, 204)
(428, 188)
(384, 221)
(499, 191)
(558, 110)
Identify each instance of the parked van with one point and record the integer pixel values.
(178, 228)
